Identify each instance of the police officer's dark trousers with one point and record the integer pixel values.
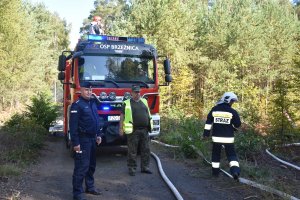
(231, 157)
(85, 165)
(139, 136)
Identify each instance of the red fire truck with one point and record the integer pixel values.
(112, 64)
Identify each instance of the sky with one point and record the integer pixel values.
(73, 11)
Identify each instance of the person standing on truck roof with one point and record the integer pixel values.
(96, 26)
(222, 121)
(136, 122)
(85, 133)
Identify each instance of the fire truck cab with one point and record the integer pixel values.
(111, 65)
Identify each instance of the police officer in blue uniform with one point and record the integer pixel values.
(85, 133)
(222, 121)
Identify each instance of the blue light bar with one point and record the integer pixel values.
(97, 38)
(105, 108)
(136, 40)
(116, 38)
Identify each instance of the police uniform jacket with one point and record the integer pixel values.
(222, 121)
(84, 120)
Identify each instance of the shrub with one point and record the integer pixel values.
(23, 135)
(15, 121)
(248, 144)
(22, 140)
(42, 110)
(180, 130)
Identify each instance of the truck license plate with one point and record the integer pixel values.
(113, 118)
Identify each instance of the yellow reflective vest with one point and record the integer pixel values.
(128, 122)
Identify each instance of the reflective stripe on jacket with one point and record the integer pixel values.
(221, 122)
(128, 122)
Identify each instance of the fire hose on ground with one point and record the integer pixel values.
(241, 180)
(166, 179)
(282, 161)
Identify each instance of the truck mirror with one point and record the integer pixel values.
(167, 66)
(62, 63)
(168, 78)
(61, 76)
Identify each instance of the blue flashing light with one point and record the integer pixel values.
(105, 108)
(97, 37)
(116, 38)
(136, 40)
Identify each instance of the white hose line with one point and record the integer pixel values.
(293, 144)
(166, 179)
(268, 189)
(166, 145)
(282, 161)
(246, 181)
(251, 183)
(203, 157)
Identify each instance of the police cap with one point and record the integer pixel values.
(136, 88)
(85, 84)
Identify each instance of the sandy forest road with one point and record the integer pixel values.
(51, 178)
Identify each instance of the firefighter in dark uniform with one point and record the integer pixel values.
(222, 121)
(136, 122)
(85, 133)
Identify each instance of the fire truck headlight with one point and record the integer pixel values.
(127, 96)
(156, 122)
(112, 96)
(103, 96)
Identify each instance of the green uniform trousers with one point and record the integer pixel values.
(139, 137)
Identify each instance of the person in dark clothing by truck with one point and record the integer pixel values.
(221, 122)
(136, 123)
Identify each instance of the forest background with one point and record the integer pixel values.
(250, 47)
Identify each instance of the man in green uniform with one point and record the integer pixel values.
(136, 122)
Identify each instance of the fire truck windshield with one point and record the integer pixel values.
(116, 68)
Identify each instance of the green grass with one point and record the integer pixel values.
(258, 173)
(10, 170)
